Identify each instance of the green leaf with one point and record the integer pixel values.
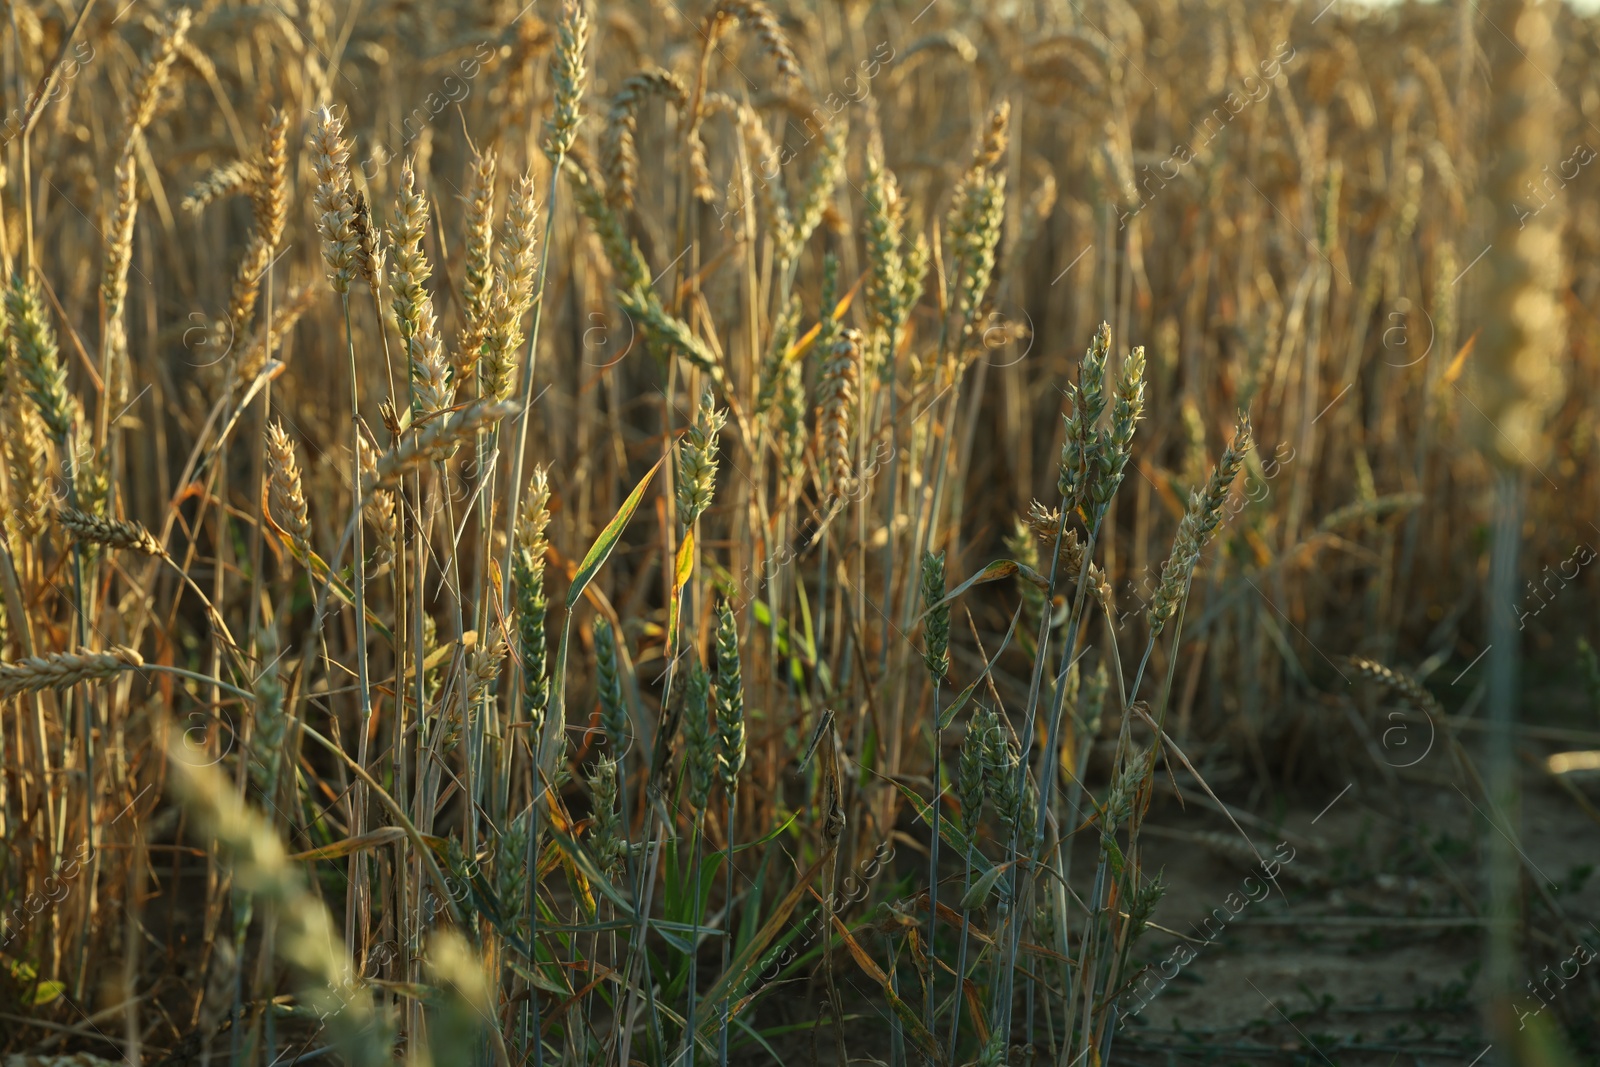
(978, 895)
(46, 991)
(1000, 568)
(601, 549)
(770, 834)
(747, 956)
(949, 832)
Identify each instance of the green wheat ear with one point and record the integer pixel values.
(936, 627)
(730, 701)
(701, 753)
(613, 711)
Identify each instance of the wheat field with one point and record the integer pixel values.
(627, 533)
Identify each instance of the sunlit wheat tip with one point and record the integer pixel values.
(285, 495)
(270, 200)
(333, 200)
(697, 460)
(478, 284)
(569, 74)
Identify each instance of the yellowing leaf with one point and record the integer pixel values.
(596, 557)
(47, 991)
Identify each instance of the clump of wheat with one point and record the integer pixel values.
(1196, 527)
(33, 345)
(333, 200)
(381, 510)
(369, 243)
(438, 439)
(977, 212)
(730, 701)
(232, 177)
(286, 499)
(697, 459)
(700, 756)
(269, 194)
(1086, 401)
(608, 836)
(820, 184)
(125, 188)
(758, 18)
(413, 307)
(27, 451)
(569, 73)
(528, 564)
(836, 400)
(62, 670)
(478, 282)
(513, 291)
(114, 533)
(613, 710)
(619, 159)
(891, 290)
